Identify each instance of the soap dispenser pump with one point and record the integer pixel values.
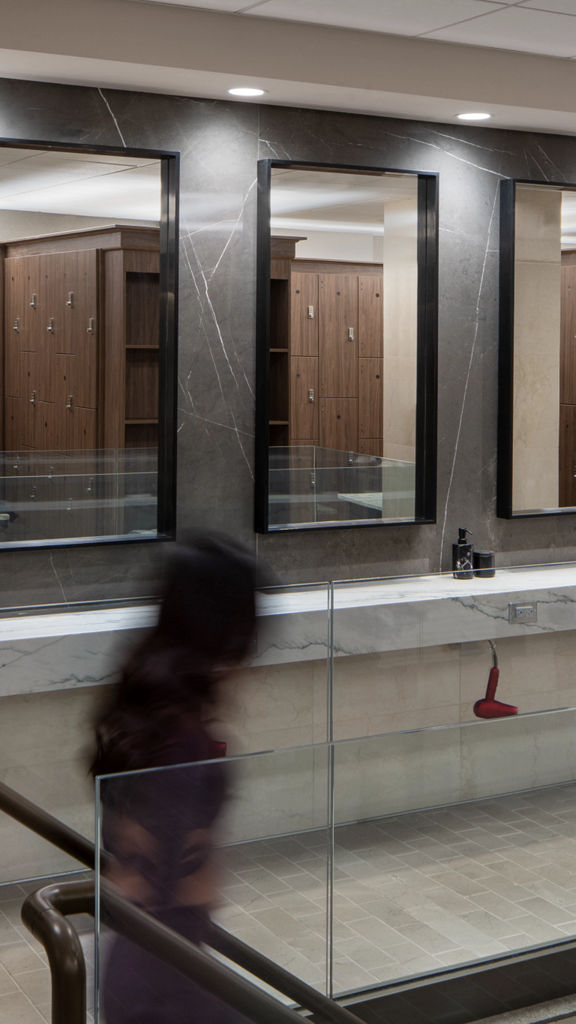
(462, 557)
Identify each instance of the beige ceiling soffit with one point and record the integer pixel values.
(185, 39)
(107, 75)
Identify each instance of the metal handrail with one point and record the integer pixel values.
(44, 914)
(129, 917)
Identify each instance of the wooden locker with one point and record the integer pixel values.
(50, 427)
(370, 315)
(371, 397)
(568, 330)
(567, 456)
(304, 314)
(338, 335)
(81, 428)
(304, 399)
(371, 446)
(338, 423)
(19, 425)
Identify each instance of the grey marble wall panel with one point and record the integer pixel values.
(220, 143)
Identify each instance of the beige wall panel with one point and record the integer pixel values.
(400, 324)
(536, 384)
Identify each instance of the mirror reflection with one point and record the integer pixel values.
(342, 382)
(80, 257)
(543, 442)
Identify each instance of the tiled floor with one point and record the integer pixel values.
(413, 893)
(24, 974)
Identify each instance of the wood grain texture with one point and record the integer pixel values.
(338, 304)
(112, 236)
(370, 395)
(338, 423)
(370, 315)
(113, 351)
(567, 456)
(371, 446)
(303, 412)
(568, 331)
(303, 328)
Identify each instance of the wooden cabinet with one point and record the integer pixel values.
(326, 352)
(80, 349)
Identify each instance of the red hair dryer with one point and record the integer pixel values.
(488, 706)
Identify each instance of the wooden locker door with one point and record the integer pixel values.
(568, 331)
(370, 315)
(338, 425)
(304, 399)
(81, 427)
(567, 456)
(370, 397)
(24, 369)
(50, 427)
(338, 335)
(304, 314)
(20, 424)
(73, 292)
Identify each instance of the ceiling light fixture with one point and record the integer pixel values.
(475, 115)
(245, 91)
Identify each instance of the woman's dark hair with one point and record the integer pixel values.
(206, 627)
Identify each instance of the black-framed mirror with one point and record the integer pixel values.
(88, 256)
(537, 359)
(346, 346)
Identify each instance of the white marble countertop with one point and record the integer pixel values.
(304, 599)
(58, 648)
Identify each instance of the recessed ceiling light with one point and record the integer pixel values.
(244, 91)
(474, 115)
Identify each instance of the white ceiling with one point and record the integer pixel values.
(317, 200)
(38, 181)
(529, 26)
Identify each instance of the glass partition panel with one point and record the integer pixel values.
(281, 699)
(245, 840)
(452, 845)
(59, 494)
(454, 706)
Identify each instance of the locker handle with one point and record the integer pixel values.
(70, 300)
(311, 394)
(69, 401)
(91, 323)
(32, 398)
(350, 334)
(310, 312)
(50, 327)
(16, 325)
(33, 301)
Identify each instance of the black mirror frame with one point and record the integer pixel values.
(504, 496)
(168, 339)
(427, 348)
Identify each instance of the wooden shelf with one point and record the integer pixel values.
(138, 422)
(145, 348)
(279, 350)
(277, 423)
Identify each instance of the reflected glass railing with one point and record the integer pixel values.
(55, 495)
(313, 484)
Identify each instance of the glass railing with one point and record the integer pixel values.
(388, 832)
(53, 495)
(314, 485)
(247, 837)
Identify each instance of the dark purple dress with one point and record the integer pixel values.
(169, 815)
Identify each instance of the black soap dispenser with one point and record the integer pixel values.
(462, 557)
